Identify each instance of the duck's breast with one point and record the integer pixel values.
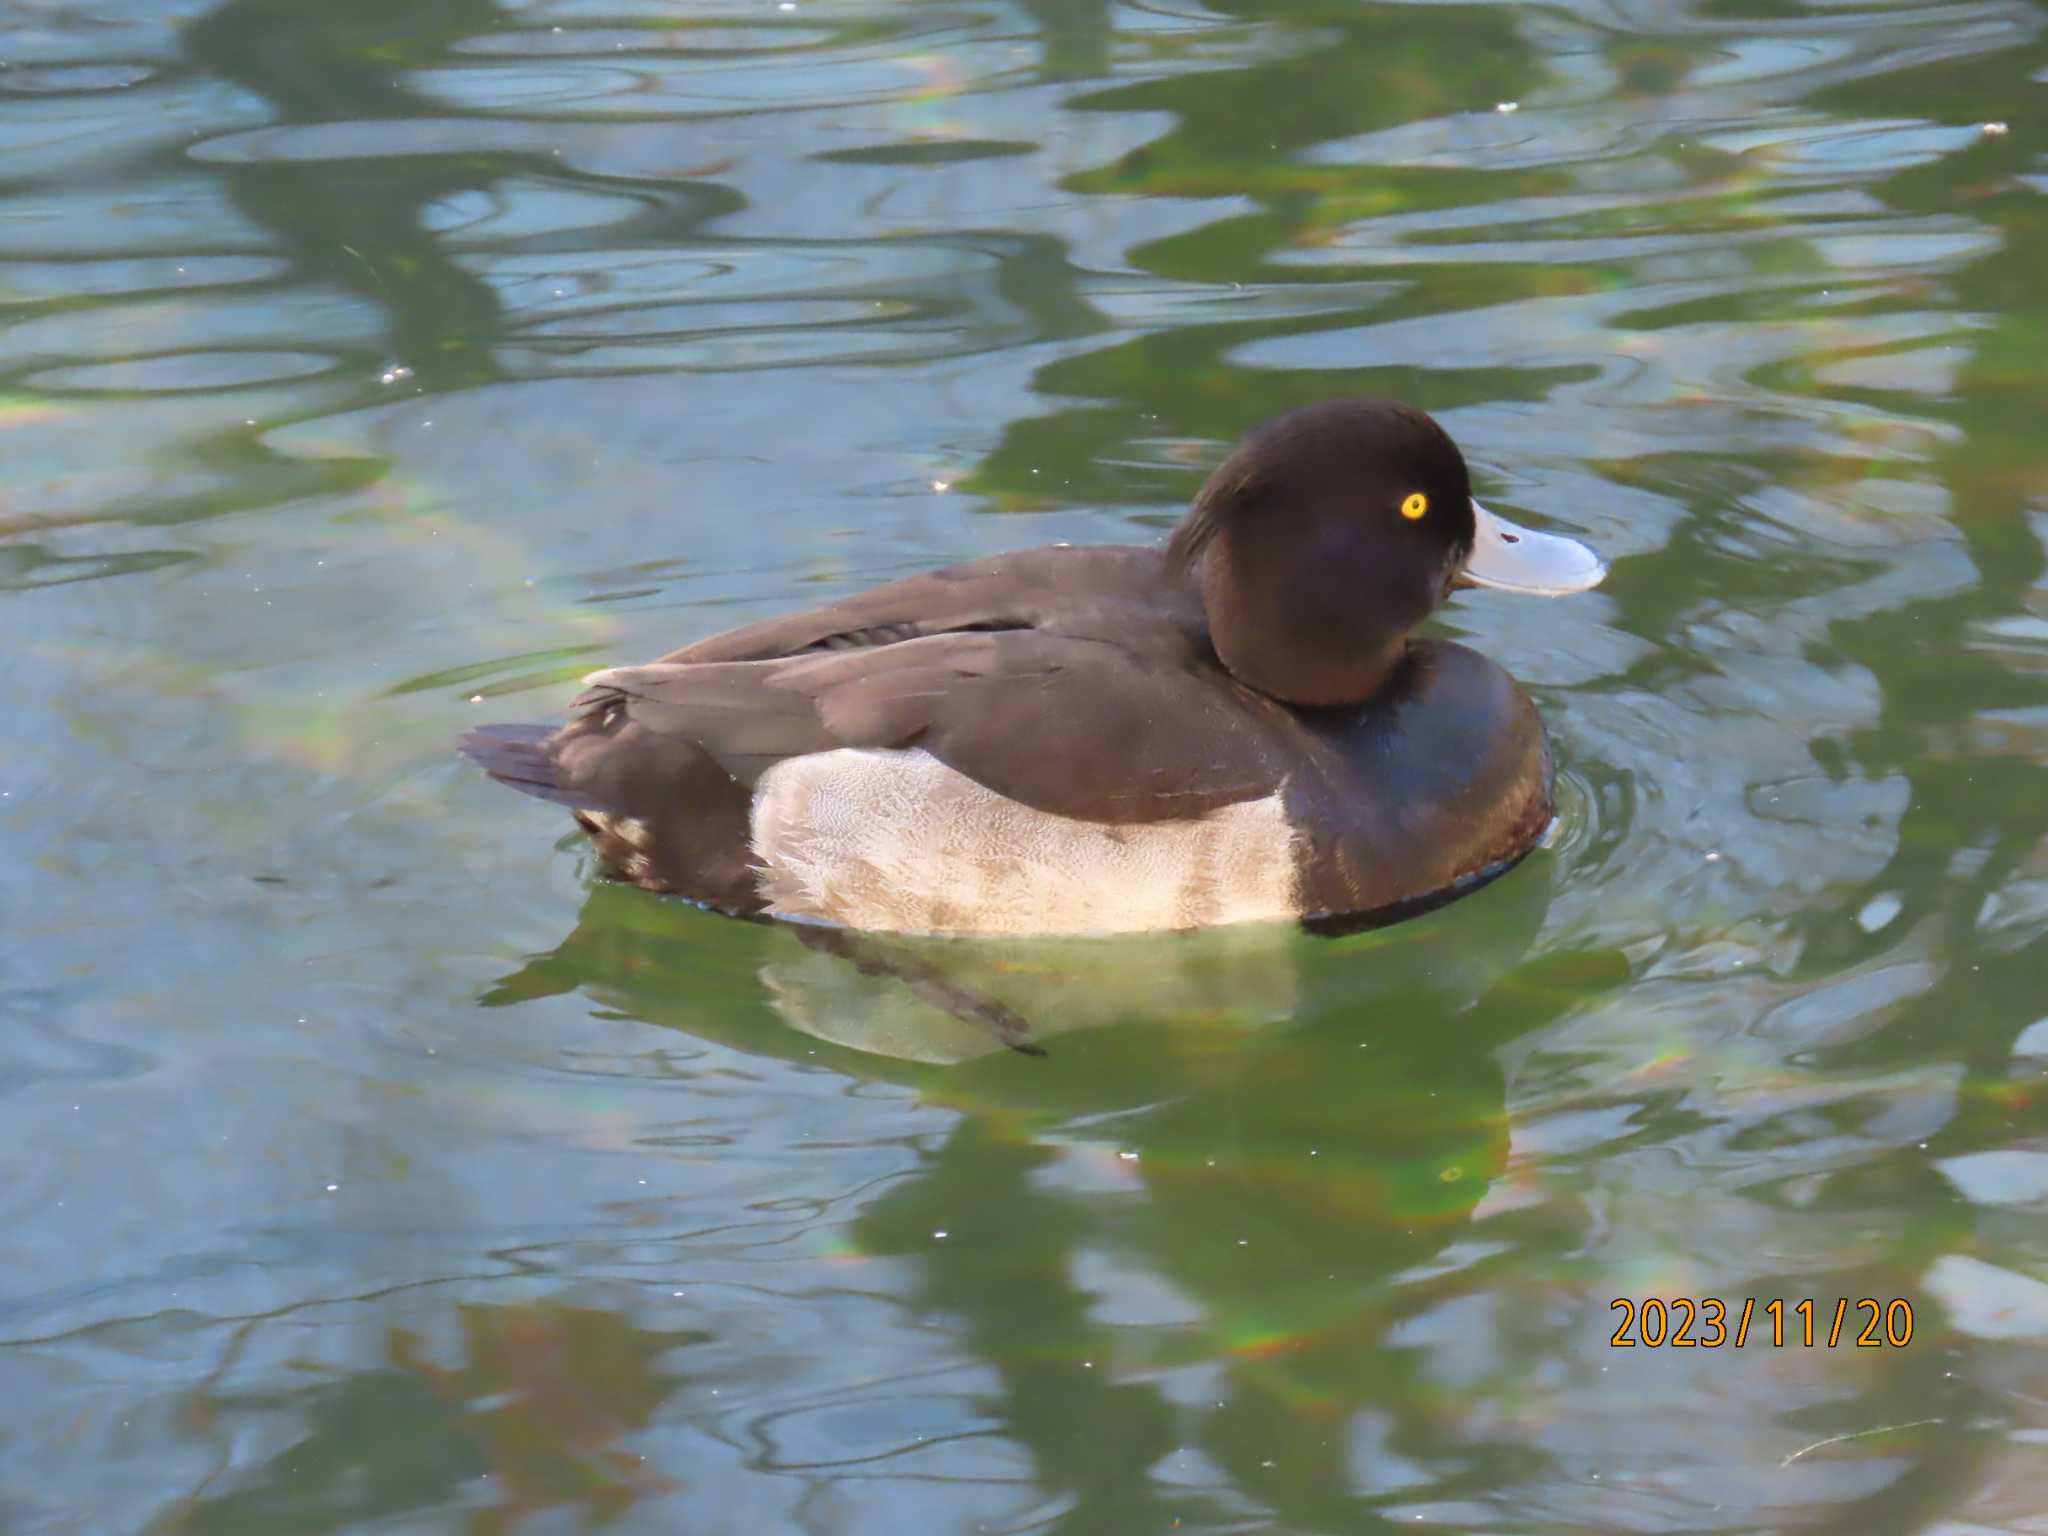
(1446, 779)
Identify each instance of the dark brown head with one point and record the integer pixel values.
(1332, 532)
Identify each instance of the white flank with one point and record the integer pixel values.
(897, 842)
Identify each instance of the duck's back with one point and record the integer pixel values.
(1119, 593)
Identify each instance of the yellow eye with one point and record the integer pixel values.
(1414, 506)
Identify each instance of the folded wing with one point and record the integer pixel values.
(1073, 726)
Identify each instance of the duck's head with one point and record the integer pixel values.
(1333, 531)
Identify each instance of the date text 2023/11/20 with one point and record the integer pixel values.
(1658, 1322)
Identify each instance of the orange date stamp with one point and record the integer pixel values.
(1661, 1324)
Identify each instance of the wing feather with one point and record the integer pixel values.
(1074, 726)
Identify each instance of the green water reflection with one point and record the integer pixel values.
(367, 367)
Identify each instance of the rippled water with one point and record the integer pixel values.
(371, 368)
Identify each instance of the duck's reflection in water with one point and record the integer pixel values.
(1200, 1232)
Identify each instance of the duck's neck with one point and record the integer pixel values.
(1293, 633)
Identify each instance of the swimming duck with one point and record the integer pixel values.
(1235, 727)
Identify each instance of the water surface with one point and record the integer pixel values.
(373, 369)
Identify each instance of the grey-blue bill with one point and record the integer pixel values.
(1517, 559)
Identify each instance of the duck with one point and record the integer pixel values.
(1239, 725)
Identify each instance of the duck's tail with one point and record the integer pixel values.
(660, 810)
(518, 756)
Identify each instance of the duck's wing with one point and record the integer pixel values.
(1073, 726)
(1057, 589)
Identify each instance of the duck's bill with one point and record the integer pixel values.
(1517, 559)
